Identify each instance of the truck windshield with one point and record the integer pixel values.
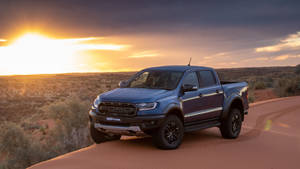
(167, 80)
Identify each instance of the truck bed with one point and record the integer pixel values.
(230, 86)
(228, 82)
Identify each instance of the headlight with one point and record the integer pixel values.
(96, 102)
(147, 106)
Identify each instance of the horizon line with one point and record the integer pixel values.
(63, 73)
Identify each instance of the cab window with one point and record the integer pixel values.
(207, 78)
(191, 78)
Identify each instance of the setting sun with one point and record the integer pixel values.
(34, 53)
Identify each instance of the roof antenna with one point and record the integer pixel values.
(190, 61)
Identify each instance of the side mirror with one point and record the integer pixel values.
(189, 87)
(123, 84)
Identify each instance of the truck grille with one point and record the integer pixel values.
(117, 109)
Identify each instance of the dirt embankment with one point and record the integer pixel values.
(270, 138)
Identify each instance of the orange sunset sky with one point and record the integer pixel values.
(39, 37)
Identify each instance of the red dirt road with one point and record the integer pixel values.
(270, 139)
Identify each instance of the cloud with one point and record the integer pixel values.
(281, 57)
(77, 40)
(207, 57)
(292, 42)
(221, 54)
(30, 40)
(145, 54)
(100, 47)
(144, 15)
(262, 58)
(217, 55)
(285, 57)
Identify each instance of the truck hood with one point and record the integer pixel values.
(135, 95)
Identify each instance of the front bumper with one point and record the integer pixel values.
(130, 130)
(138, 125)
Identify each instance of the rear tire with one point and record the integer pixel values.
(231, 126)
(170, 134)
(99, 137)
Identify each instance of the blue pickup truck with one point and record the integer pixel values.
(165, 102)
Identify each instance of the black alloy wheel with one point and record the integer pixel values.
(231, 126)
(236, 123)
(170, 134)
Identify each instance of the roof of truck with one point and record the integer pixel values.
(178, 68)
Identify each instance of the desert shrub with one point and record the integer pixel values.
(287, 87)
(297, 71)
(72, 112)
(26, 125)
(19, 149)
(269, 82)
(71, 130)
(259, 85)
(251, 97)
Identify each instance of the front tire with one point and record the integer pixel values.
(231, 126)
(170, 134)
(99, 137)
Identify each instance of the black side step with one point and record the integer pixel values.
(201, 126)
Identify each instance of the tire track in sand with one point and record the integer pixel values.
(260, 122)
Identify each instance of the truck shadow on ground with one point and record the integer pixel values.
(205, 137)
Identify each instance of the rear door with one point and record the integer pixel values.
(212, 92)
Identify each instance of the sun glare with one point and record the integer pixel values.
(38, 54)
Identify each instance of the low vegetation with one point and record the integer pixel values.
(34, 140)
(287, 87)
(71, 125)
(297, 71)
(18, 149)
(43, 116)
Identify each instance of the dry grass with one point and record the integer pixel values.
(23, 95)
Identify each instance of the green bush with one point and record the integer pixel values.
(19, 149)
(287, 87)
(72, 113)
(71, 130)
(259, 85)
(269, 82)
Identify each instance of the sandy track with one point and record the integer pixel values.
(270, 139)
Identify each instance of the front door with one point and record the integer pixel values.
(190, 101)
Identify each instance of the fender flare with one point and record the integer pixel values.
(171, 107)
(227, 105)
